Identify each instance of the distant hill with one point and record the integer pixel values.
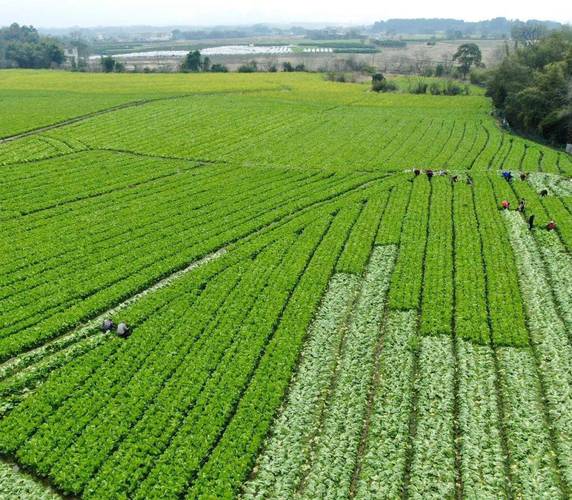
(496, 26)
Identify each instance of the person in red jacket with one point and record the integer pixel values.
(505, 204)
(551, 226)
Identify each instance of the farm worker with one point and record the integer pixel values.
(544, 193)
(507, 176)
(505, 204)
(455, 178)
(469, 180)
(442, 173)
(523, 176)
(521, 206)
(123, 330)
(429, 173)
(107, 325)
(531, 222)
(551, 225)
(416, 172)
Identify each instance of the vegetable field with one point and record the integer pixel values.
(310, 319)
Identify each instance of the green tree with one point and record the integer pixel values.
(468, 55)
(23, 47)
(192, 62)
(531, 86)
(108, 64)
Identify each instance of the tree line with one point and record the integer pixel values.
(532, 87)
(23, 47)
(456, 28)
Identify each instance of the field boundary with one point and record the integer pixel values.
(118, 107)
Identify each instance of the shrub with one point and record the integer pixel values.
(435, 89)
(251, 67)
(419, 87)
(219, 68)
(384, 86)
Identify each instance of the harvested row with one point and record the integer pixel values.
(432, 466)
(327, 394)
(278, 469)
(483, 458)
(558, 264)
(550, 342)
(333, 457)
(383, 464)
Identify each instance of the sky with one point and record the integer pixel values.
(87, 13)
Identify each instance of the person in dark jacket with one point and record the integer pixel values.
(531, 222)
(107, 325)
(416, 172)
(123, 330)
(523, 176)
(521, 206)
(507, 176)
(544, 192)
(429, 174)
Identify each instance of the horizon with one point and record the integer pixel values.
(313, 24)
(92, 14)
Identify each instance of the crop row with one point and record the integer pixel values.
(503, 292)
(214, 231)
(106, 236)
(471, 318)
(437, 300)
(389, 232)
(358, 249)
(271, 129)
(60, 351)
(231, 438)
(136, 349)
(407, 279)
